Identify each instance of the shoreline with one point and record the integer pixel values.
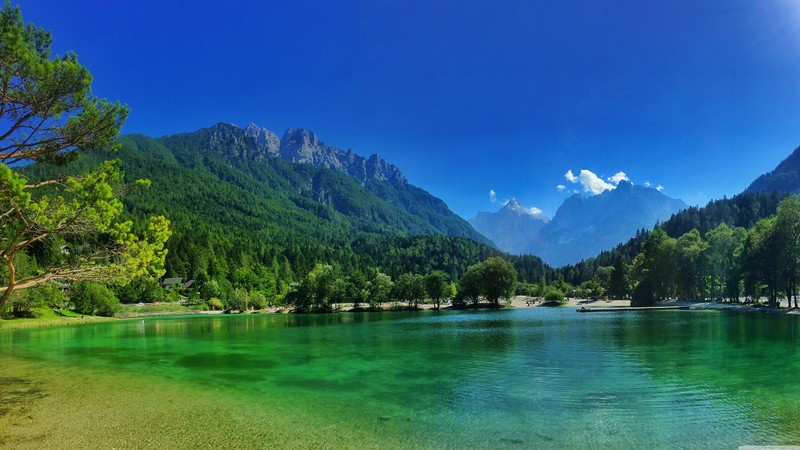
(517, 302)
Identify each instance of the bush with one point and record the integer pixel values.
(238, 300)
(258, 300)
(6, 311)
(94, 299)
(553, 297)
(47, 295)
(22, 304)
(142, 289)
(215, 304)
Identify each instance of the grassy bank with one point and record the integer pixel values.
(49, 318)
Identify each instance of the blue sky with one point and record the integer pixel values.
(467, 97)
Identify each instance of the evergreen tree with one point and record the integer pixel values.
(48, 113)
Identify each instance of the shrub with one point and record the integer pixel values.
(142, 289)
(47, 295)
(94, 299)
(22, 304)
(238, 300)
(258, 300)
(553, 297)
(215, 304)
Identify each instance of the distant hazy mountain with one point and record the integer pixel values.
(585, 226)
(582, 227)
(785, 177)
(514, 228)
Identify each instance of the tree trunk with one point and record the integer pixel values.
(12, 279)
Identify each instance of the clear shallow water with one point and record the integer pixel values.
(516, 378)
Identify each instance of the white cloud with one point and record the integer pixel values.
(560, 187)
(590, 182)
(619, 176)
(659, 188)
(647, 184)
(492, 195)
(534, 210)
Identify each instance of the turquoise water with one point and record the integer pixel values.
(511, 378)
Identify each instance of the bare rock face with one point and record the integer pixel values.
(304, 146)
(301, 146)
(250, 144)
(265, 138)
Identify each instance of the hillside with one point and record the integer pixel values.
(238, 210)
(743, 210)
(785, 178)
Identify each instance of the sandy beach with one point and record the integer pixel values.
(519, 301)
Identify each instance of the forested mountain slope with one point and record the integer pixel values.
(743, 210)
(238, 210)
(784, 178)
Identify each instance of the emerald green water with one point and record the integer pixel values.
(513, 378)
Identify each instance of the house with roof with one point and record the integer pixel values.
(172, 283)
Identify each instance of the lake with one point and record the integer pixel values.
(492, 379)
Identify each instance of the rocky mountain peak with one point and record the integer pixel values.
(254, 144)
(265, 137)
(304, 146)
(515, 207)
(301, 146)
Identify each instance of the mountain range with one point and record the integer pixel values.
(244, 197)
(242, 200)
(582, 227)
(513, 228)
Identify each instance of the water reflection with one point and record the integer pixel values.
(495, 378)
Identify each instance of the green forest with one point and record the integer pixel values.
(106, 220)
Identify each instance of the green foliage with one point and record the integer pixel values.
(740, 212)
(94, 299)
(258, 300)
(47, 112)
(437, 286)
(494, 279)
(618, 280)
(144, 289)
(643, 293)
(380, 288)
(471, 284)
(210, 289)
(553, 297)
(410, 288)
(238, 300)
(22, 305)
(47, 295)
(215, 304)
(764, 261)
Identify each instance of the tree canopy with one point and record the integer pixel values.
(47, 115)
